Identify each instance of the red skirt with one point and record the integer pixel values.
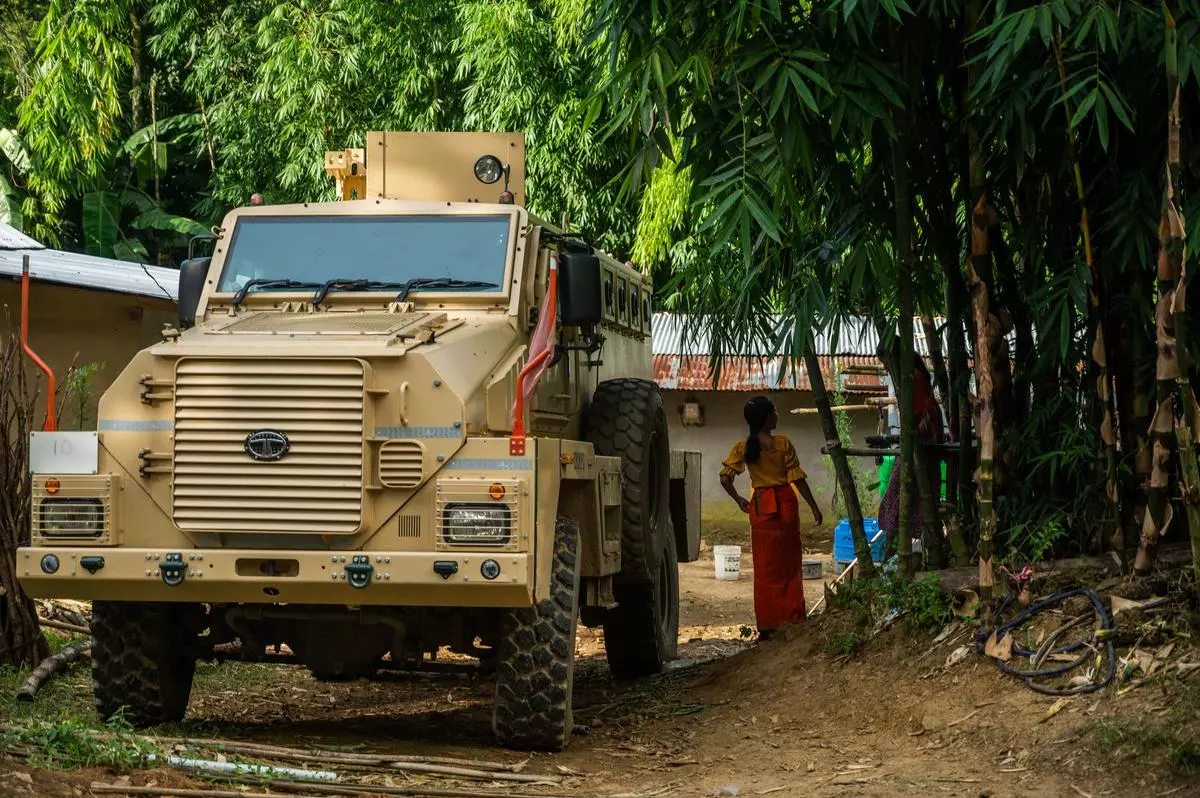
(778, 556)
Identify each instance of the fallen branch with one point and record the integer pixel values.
(101, 788)
(50, 666)
(66, 627)
(403, 766)
(342, 758)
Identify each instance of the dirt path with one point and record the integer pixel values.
(782, 718)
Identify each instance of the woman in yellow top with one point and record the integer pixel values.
(774, 515)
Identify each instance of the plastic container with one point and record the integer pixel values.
(728, 561)
(843, 543)
(811, 569)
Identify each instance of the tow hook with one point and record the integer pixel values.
(91, 564)
(445, 568)
(173, 570)
(358, 571)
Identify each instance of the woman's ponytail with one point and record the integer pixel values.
(757, 411)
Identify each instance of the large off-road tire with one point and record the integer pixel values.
(627, 420)
(535, 665)
(143, 660)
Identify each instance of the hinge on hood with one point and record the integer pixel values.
(156, 390)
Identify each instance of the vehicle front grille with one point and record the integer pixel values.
(401, 464)
(315, 488)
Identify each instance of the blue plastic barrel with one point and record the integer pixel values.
(843, 543)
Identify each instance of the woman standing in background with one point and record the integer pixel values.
(774, 515)
(928, 414)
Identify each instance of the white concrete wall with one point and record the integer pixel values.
(725, 425)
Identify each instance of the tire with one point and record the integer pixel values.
(641, 634)
(535, 664)
(143, 660)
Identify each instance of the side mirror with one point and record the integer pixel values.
(579, 293)
(192, 273)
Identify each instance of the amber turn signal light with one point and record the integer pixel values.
(496, 492)
(52, 486)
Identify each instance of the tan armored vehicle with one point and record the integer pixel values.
(333, 460)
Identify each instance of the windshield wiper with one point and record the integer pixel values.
(266, 282)
(440, 282)
(350, 284)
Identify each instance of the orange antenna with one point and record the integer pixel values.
(50, 425)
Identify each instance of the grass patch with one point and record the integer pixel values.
(858, 607)
(69, 743)
(1171, 740)
(925, 606)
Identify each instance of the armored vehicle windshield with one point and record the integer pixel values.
(459, 252)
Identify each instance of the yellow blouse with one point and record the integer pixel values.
(776, 466)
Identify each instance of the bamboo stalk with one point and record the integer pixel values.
(1185, 433)
(1112, 532)
(50, 666)
(812, 411)
(979, 270)
(902, 371)
(1169, 370)
(841, 465)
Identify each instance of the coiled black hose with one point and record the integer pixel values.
(1002, 628)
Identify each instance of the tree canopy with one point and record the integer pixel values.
(997, 170)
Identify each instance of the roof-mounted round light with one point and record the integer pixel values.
(488, 169)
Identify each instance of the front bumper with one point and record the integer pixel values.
(219, 576)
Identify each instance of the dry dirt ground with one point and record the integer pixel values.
(780, 718)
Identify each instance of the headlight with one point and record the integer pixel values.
(71, 518)
(477, 524)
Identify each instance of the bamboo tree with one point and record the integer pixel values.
(979, 272)
(1175, 246)
(1108, 433)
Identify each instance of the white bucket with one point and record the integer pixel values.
(728, 560)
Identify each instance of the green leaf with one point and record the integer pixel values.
(1117, 105)
(10, 205)
(167, 128)
(158, 219)
(806, 95)
(1102, 121)
(131, 250)
(1084, 107)
(761, 215)
(101, 216)
(14, 150)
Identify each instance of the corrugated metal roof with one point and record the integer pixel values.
(12, 238)
(856, 337)
(693, 373)
(85, 271)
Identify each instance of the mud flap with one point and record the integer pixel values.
(685, 503)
